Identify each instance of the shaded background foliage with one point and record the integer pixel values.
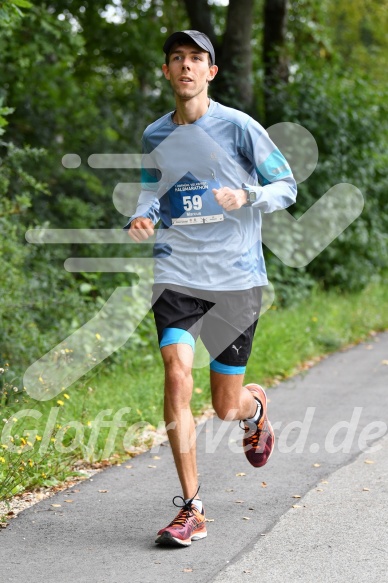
(85, 77)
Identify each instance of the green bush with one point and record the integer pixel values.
(347, 118)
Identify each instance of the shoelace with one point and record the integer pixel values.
(186, 509)
(250, 429)
(182, 516)
(255, 439)
(254, 434)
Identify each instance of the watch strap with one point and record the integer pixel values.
(251, 194)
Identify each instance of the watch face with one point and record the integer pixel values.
(252, 196)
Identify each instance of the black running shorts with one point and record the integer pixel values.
(225, 320)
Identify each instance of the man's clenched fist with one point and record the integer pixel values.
(140, 229)
(230, 199)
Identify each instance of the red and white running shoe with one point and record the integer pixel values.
(259, 439)
(188, 525)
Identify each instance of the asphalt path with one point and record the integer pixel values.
(329, 421)
(337, 532)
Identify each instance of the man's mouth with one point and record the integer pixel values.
(185, 80)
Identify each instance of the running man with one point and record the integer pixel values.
(208, 173)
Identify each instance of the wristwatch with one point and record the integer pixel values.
(251, 194)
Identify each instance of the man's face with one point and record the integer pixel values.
(189, 71)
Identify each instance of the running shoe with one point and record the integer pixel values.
(259, 439)
(188, 525)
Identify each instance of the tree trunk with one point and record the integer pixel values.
(233, 83)
(274, 50)
(199, 13)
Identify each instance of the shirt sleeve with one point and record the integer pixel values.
(148, 202)
(274, 182)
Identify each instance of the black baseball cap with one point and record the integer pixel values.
(199, 38)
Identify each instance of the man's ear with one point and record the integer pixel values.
(212, 72)
(166, 71)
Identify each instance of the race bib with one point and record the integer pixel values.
(192, 202)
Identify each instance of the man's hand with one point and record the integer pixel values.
(230, 199)
(140, 229)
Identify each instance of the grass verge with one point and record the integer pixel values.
(105, 415)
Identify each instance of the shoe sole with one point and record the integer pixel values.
(167, 539)
(273, 442)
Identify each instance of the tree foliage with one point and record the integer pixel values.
(85, 77)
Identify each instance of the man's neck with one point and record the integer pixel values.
(188, 111)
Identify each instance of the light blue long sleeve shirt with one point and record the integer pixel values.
(198, 243)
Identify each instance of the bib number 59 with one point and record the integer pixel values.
(192, 203)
